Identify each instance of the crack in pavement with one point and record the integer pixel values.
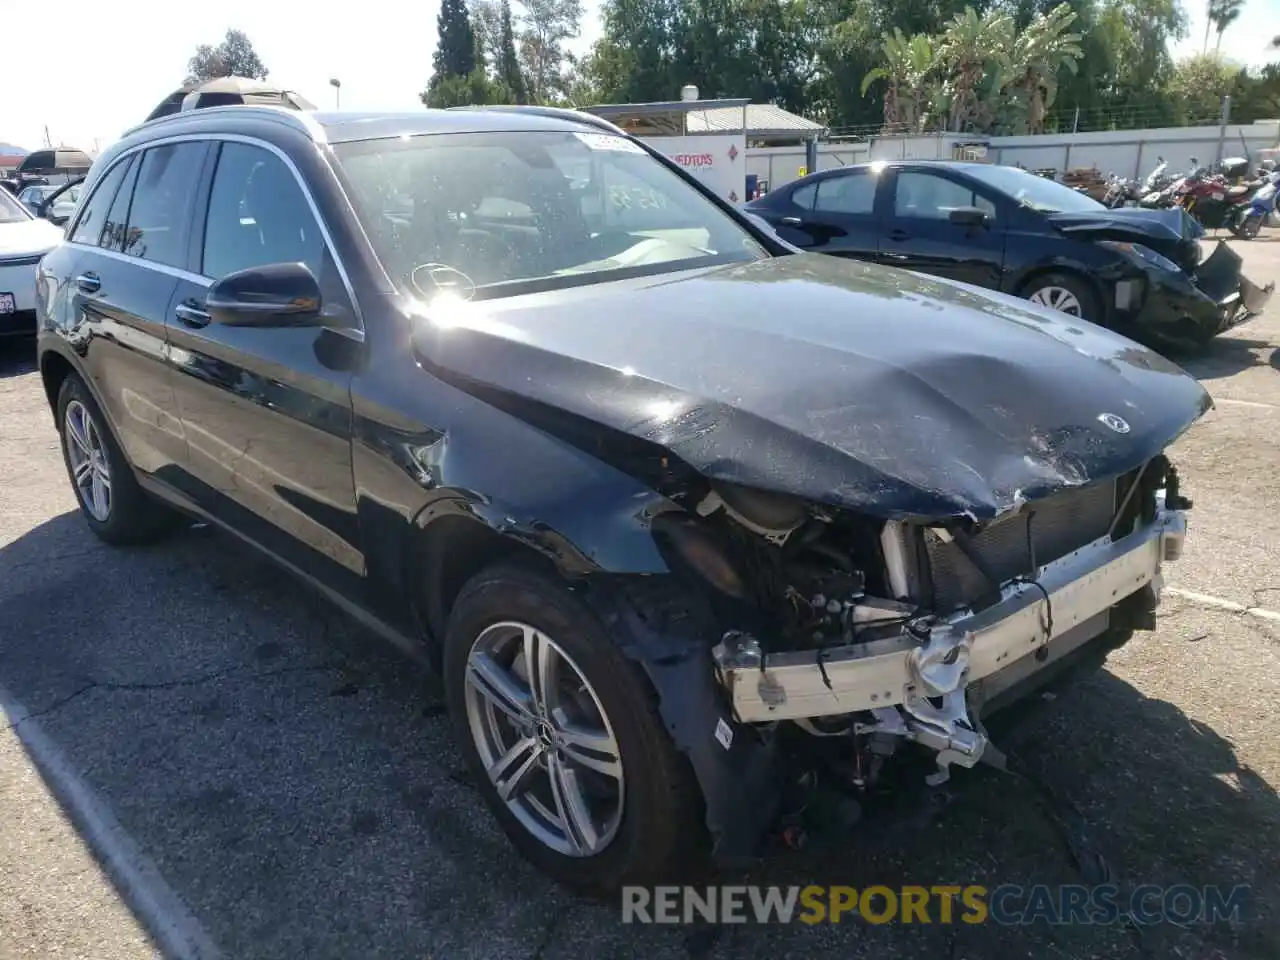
(181, 682)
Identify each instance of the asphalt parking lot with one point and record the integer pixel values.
(276, 783)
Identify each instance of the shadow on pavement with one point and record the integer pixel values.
(17, 356)
(295, 783)
(1226, 356)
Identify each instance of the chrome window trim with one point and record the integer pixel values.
(354, 334)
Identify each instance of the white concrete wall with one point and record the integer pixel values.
(781, 165)
(1126, 152)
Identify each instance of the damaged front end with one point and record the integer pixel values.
(1235, 297)
(869, 635)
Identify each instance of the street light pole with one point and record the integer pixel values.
(337, 92)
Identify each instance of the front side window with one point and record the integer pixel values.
(1035, 192)
(931, 197)
(853, 193)
(167, 181)
(257, 215)
(93, 214)
(496, 212)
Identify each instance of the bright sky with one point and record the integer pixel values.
(379, 49)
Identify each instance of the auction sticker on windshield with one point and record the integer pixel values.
(7, 303)
(603, 141)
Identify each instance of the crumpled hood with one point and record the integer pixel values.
(1172, 232)
(1172, 223)
(859, 386)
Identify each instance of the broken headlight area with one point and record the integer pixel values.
(869, 634)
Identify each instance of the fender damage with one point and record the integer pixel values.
(877, 529)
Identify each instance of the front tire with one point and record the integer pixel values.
(563, 736)
(116, 508)
(1065, 293)
(1248, 228)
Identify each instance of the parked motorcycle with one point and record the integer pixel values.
(1259, 209)
(1209, 197)
(1126, 191)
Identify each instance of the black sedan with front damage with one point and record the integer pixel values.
(684, 517)
(1137, 271)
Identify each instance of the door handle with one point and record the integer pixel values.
(89, 282)
(191, 315)
(899, 234)
(792, 222)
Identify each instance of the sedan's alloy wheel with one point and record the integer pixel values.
(87, 454)
(544, 739)
(1058, 298)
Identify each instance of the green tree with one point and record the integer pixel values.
(455, 53)
(1198, 85)
(233, 57)
(972, 54)
(476, 88)
(545, 25)
(909, 74)
(507, 61)
(1036, 57)
(1220, 15)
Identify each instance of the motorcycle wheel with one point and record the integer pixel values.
(1247, 229)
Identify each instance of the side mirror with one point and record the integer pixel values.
(46, 211)
(968, 217)
(274, 295)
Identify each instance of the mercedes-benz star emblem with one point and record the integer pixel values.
(1118, 424)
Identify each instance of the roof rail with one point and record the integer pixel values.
(558, 113)
(300, 120)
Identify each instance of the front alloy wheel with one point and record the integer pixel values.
(544, 739)
(87, 457)
(563, 734)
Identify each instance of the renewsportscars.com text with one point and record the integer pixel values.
(1007, 905)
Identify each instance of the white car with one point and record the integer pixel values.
(23, 241)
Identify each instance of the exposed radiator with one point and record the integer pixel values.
(1059, 524)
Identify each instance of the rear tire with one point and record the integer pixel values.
(116, 508)
(654, 831)
(1064, 292)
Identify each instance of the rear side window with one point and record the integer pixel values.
(257, 215)
(166, 184)
(114, 228)
(94, 213)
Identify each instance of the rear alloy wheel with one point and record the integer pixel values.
(116, 508)
(563, 736)
(1064, 293)
(87, 461)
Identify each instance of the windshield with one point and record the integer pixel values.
(492, 214)
(1036, 192)
(11, 211)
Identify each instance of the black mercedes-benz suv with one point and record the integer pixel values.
(683, 515)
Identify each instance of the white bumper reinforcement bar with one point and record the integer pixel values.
(955, 651)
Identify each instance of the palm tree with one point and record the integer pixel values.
(908, 70)
(971, 53)
(1036, 56)
(1221, 14)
